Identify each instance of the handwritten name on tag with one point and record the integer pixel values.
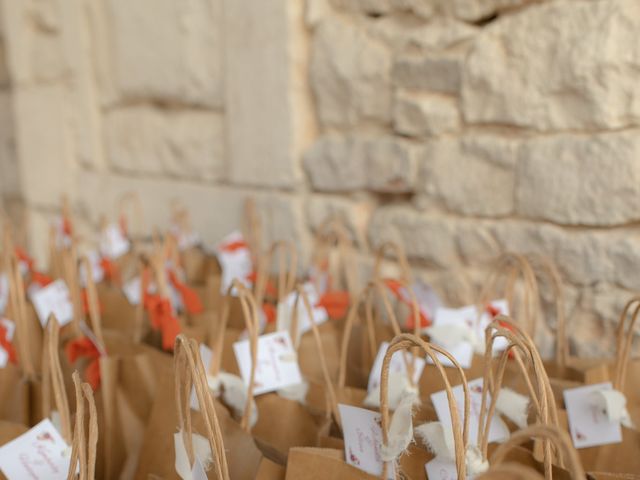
(498, 431)
(53, 299)
(277, 365)
(113, 243)
(39, 454)
(397, 366)
(363, 439)
(588, 424)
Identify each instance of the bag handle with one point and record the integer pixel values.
(286, 277)
(333, 234)
(250, 314)
(401, 256)
(513, 470)
(17, 301)
(70, 274)
(546, 266)
(52, 378)
(460, 435)
(331, 393)
(189, 372)
(624, 340)
(519, 343)
(93, 303)
(84, 445)
(550, 433)
(366, 296)
(130, 200)
(513, 266)
(252, 228)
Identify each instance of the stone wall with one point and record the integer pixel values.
(461, 128)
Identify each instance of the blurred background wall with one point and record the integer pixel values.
(461, 128)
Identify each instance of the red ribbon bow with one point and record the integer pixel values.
(336, 303)
(83, 347)
(36, 277)
(190, 299)
(7, 345)
(270, 312)
(234, 246)
(162, 318)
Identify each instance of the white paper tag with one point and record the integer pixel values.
(285, 311)
(133, 290)
(463, 353)
(498, 431)
(588, 424)
(397, 366)
(198, 472)
(54, 298)
(39, 454)
(427, 298)
(96, 268)
(235, 262)
(113, 243)
(207, 356)
(442, 469)
(4, 292)
(277, 365)
(363, 439)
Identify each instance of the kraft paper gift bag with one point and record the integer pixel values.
(623, 374)
(229, 456)
(85, 440)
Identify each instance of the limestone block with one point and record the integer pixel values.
(354, 213)
(580, 179)
(467, 180)
(182, 144)
(418, 115)
(349, 75)
(424, 237)
(346, 163)
(167, 50)
(438, 72)
(572, 74)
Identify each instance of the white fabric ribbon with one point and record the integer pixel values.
(234, 394)
(514, 406)
(398, 387)
(201, 451)
(400, 429)
(614, 405)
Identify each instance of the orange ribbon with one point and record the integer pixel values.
(162, 318)
(110, 269)
(36, 277)
(190, 299)
(22, 256)
(397, 288)
(234, 246)
(336, 303)
(40, 278)
(270, 312)
(7, 345)
(83, 347)
(67, 228)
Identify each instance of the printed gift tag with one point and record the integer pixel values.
(397, 366)
(113, 243)
(39, 454)
(285, 311)
(588, 424)
(441, 469)
(363, 439)
(277, 365)
(498, 431)
(54, 298)
(235, 260)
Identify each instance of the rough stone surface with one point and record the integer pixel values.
(345, 163)
(350, 75)
(572, 74)
(436, 72)
(425, 238)
(466, 182)
(186, 144)
(354, 213)
(418, 115)
(167, 50)
(580, 179)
